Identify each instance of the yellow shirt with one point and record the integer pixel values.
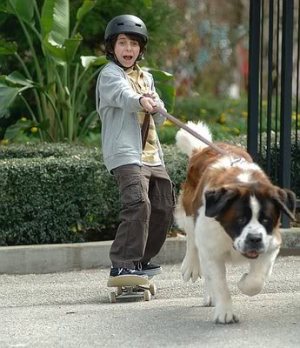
(150, 154)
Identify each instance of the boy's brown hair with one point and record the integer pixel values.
(111, 42)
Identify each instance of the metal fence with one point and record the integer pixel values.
(273, 95)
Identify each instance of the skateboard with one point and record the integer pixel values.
(128, 287)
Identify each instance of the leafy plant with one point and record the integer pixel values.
(53, 81)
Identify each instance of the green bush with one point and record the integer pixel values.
(176, 164)
(275, 162)
(227, 118)
(58, 193)
(46, 150)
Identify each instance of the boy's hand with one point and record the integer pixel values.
(148, 104)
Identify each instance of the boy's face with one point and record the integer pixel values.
(126, 50)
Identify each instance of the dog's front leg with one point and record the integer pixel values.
(215, 276)
(260, 269)
(190, 268)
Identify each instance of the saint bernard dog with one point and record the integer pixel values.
(230, 212)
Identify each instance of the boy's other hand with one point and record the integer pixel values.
(148, 104)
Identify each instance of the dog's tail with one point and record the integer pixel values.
(187, 143)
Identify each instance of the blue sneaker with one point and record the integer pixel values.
(149, 268)
(119, 272)
(122, 277)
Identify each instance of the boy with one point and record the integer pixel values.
(127, 104)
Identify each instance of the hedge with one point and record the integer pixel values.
(59, 193)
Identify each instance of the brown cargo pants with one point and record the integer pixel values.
(147, 204)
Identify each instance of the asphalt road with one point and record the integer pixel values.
(72, 310)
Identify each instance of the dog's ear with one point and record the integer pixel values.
(286, 200)
(216, 200)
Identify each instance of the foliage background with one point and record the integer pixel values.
(198, 48)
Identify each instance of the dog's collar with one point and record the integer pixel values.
(234, 160)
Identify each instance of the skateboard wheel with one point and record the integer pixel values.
(153, 289)
(147, 295)
(112, 297)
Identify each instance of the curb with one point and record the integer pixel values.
(52, 258)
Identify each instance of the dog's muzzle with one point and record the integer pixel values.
(253, 245)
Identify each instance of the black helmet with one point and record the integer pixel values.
(126, 24)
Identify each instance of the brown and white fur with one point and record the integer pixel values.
(230, 212)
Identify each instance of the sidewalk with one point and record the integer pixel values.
(67, 257)
(71, 309)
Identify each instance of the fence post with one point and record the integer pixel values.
(253, 92)
(284, 174)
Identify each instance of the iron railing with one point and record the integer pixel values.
(273, 95)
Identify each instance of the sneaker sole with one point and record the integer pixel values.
(152, 272)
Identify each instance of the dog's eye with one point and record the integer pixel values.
(242, 220)
(265, 221)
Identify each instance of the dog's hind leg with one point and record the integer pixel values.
(190, 268)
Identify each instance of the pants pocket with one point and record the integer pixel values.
(131, 191)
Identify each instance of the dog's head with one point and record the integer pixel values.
(250, 215)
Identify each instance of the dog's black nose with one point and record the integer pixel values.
(254, 238)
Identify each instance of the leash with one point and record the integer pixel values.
(182, 125)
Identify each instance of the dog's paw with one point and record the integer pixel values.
(225, 317)
(190, 268)
(250, 286)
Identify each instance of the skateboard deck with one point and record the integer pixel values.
(130, 287)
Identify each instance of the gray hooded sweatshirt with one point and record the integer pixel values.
(117, 105)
